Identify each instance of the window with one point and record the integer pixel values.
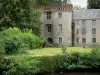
(77, 31)
(83, 31)
(49, 15)
(60, 15)
(93, 22)
(60, 27)
(83, 40)
(93, 40)
(60, 40)
(93, 30)
(77, 22)
(83, 22)
(77, 40)
(49, 28)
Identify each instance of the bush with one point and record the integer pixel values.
(47, 64)
(20, 65)
(4, 63)
(2, 51)
(25, 65)
(14, 39)
(12, 45)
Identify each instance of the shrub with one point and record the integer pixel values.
(47, 64)
(14, 38)
(2, 51)
(4, 63)
(12, 45)
(62, 62)
(64, 50)
(26, 65)
(22, 65)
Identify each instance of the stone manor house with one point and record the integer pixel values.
(58, 20)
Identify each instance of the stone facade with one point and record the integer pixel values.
(87, 26)
(60, 22)
(57, 25)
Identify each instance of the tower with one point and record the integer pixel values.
(57, 20)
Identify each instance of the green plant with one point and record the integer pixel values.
(14, 38)
(63, 50)
(2, 51)
(22, 65)
(12, 45)
(47, 64)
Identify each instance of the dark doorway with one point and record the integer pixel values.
(50, 40)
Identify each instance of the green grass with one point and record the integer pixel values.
(50, 51)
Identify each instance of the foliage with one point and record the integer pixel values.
(93, 4)
(64, 50)
(14, 39)
(11, 45)
(2, 51)
(47, 64)
(19, 13)
(4, 63)
(49, 2)
(22, 65)
(77, 7)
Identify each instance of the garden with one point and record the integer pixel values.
(21, 54)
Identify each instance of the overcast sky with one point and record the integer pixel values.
(82, 3)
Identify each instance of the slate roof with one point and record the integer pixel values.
(86, 14)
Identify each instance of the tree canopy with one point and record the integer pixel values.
(77, 7)
(19, 13)
(49, 2)
(93, 4)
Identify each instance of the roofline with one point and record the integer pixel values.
(54, 6)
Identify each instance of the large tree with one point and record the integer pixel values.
(19, 13)
(49, 2)
(93, 4)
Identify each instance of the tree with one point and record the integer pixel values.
(77, 7)
(49, 2)
(93, 4)
(19, 13)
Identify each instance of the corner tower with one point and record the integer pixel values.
(57, 20)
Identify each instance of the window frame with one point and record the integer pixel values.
(60, 14)
(60, 40)
(48, 14)
(83, 31)
(93, 22)
(83, 40)
(49, 27)
(60, 27)
(93, 30)
(93, 41)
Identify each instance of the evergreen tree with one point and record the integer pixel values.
(93, 4)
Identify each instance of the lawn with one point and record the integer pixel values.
(53, 51)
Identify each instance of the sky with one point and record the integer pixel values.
(82, 3)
